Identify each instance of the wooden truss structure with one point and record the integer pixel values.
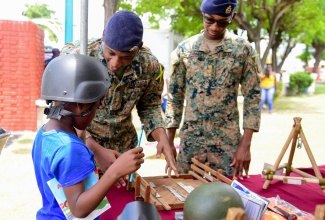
(297, 138)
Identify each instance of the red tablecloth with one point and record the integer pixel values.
(304, 197)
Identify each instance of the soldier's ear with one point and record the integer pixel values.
(140, 45)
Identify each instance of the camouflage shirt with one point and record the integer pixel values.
(208, 81)
(140, 86)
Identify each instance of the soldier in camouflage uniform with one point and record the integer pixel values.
(137, 80)
(207, 71)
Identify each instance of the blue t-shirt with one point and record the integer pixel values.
(60, 155)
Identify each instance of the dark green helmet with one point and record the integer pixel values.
(75, 78)
(211, 201)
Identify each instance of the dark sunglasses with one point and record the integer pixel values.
(221, 23)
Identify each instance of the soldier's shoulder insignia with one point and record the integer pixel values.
(255, 57)
(160, 74)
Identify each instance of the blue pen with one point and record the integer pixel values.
(139, 142)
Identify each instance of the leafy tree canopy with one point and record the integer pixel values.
(41, 11)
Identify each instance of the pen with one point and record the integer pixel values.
(139, 142)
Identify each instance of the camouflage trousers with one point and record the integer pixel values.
(218, 157)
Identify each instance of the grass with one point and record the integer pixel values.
(286, 103)
(319, 88)
(22, 151)
(25, 141)
(294, 103)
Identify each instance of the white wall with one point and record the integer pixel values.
(161, 43)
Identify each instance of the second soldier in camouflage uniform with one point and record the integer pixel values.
(137, 80)
(207, 71)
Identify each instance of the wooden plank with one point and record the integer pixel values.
(212, 171)
(198, 177)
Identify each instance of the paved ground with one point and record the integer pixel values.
(19, 196)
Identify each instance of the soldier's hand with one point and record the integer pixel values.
(170, 155)
(241, 162)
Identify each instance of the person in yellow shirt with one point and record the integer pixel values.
(268, 87)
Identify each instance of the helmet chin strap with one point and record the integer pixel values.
(56, 112)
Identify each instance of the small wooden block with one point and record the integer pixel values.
(236, 214)
(320, 212)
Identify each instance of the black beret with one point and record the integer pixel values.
(224, 8)
(124, 31)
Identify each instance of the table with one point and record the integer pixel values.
(304, 197)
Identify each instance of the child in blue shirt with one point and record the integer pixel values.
(74, 85)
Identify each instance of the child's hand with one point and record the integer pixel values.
(128, 162)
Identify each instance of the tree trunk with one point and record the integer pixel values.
(258, 11)
(110, 9)
(319, 49)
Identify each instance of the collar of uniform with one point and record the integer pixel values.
(202, 46)
(226, 45)
(227, 42)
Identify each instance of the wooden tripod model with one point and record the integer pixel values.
(269, 174)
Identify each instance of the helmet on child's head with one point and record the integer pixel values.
(75, 78)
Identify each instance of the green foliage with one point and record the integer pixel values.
(299, 82)
(37, 11)
(184, 16)
(40, 11)
(306, 55)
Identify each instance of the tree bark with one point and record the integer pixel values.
(110, 9)
(319, 49)
(258, 12)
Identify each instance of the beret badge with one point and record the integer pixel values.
(133, 49)
(228, 10)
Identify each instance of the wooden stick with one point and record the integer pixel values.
(164, 203)
(320, 212)
(137, 186)
(297, 128)
(147, 193)
(294, 180)
(204, 174)
(277, 162)
(152, 190)
(310, 155)
(236, 214)
(212, 171)
(198, 176)
(302, 173)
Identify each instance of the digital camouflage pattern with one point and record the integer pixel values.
(112, 126)
(209, 82)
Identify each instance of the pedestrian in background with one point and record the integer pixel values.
(164, 95)
(207, 71)
(268, 87)
(55, 53)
